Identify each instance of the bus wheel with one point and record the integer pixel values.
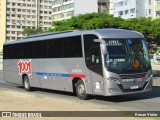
(81, 91)
(27, 86)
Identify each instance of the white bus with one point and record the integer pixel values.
(103, 62)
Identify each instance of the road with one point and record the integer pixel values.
(137, 102)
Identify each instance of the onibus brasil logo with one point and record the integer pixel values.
(25, 66)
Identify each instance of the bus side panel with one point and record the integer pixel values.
(11, 73)
(77, 69)
(34, 66)
(97, 83)
(58, 73)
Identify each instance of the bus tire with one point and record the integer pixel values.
(26, 84)
(81, 91)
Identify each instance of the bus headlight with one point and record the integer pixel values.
(115, 80)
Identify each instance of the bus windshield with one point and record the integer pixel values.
(126, 56)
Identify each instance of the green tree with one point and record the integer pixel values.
(30, 31)
(148, 27)
(87, 22)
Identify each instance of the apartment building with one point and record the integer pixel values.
(149, 6)
(128, 8)
(135, 8)
(2, 23)
(156, 8)
(19, 14)
(104, 6)
(65, 9)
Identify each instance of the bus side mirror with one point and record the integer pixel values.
(104, 49)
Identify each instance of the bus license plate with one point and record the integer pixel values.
(134, 87)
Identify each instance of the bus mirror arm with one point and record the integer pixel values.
(103, 45)
(99, 40)
(104, 49)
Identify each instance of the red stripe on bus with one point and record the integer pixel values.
(77, 75)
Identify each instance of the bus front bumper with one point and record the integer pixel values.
(118, 89)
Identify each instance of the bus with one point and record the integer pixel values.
(105, 62)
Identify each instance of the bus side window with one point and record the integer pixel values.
(92, 50)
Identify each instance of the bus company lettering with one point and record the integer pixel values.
(25, 66)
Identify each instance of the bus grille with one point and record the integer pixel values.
(130, 76)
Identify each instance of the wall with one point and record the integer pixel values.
(85, 6)
(141, 8)
(2, 23)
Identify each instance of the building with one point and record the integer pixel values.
(104, 6)
(65, 9)
(156, 8)
(19, 14)
(135, 8)
(149, 6)
(128, 8)
(2, 23)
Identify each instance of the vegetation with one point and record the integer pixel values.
(147, 26)
(29, 31)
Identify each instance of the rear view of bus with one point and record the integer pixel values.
(125, 62)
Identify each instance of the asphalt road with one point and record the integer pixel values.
(137, 102)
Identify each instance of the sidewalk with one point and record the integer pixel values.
(156, 70)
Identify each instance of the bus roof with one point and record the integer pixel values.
(101, 33)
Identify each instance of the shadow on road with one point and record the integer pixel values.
(155, 93)
(47, 91)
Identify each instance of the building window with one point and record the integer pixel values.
(24, 4)
(13, 32)
(24, 10)
(19, 10)
(13, 26)
(13, 4)
(13, 9)
(13, 15)
(33, 5)
(8, 9)
(126, 12)
(33, 11)
(121, 13)
(157, 13)
(132, 10)
(150, 11)
(18, 27)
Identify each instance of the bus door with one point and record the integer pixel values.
(93, 60)
(96, 71)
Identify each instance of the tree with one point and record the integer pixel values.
(30, 31)
(148, 27)
(87, 22)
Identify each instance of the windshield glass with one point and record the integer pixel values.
(125, 56)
